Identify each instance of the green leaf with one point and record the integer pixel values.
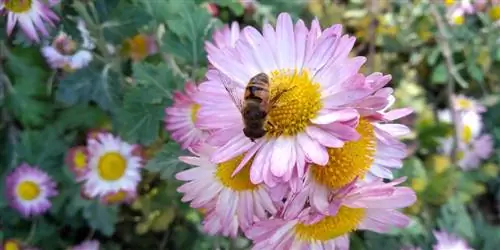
(28, 99)
(156, 82)
(439, 74)
(190, 25)
(80, 116)
(166, 162)
(433, 56)
(43, 148)
(475, 72)
(455, 219)
(234, 5)
(102, 218)
(140, 121)
(90, 84)
(125, 22)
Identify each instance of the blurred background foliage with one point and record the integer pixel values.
(45, 112)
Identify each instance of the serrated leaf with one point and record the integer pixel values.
(102, 218)
(455, 219)
(43, 148)
(439, 74)
(125, 22)
(157, 82)
(166, 162)
(433, 56)
(140, 121)
(90, 84)
(234, 5)
(189, 24)
(82, 116)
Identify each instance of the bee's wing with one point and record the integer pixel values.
(231, 88)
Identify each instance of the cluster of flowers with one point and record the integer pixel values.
(472, 144)
(64, 52)
(108, 168)
(458, 9)
(318, 173)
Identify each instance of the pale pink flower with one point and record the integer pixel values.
(227, 36)
(360, 206)
(180, 118)
(464, 103)
(87, 245)
(32, 15)
(231, 202)
(447, 241)
(321, 80)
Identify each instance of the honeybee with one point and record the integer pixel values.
(255, 105)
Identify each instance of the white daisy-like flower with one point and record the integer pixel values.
(61, 54)
(113, 166)
(31, 16)
(231, 202)
(29, 189)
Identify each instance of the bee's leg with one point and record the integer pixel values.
(275, 98)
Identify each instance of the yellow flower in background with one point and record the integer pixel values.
(494, 13)
(490, 170)
(139, 47)
(440, 163)
(449, 2)
(418, 184)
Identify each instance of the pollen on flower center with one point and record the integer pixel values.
(241, 181)
(28, 190)
(112, 166)
(467, 134)
(345, 221)
(18, 6)
(354, 159)
(194, 110)
(464, 103)
(80, 160)
(296, 100)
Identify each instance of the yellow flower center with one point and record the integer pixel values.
(296, 100)
(494, 13)
(194, 111)
(458, 20)
(28, 190)
(112, 166)
(467, 134)
(11, 245)
(18, 6)
(241, 181)
(463, 103)
(79, 159)
(353, 159)
(449, 2)
(138, 47)
(345, 221)
(116, 197)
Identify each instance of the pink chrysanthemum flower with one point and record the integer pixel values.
(361, 205)
(31, 15)
(87, 245)
(62, 54)
(76, 159)
(29, 190)
(457, 10)
(230, 201)
(378, 150)
(227, 36)
(320, 80)
(446, 241)
(113, 165)
(181, 117)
